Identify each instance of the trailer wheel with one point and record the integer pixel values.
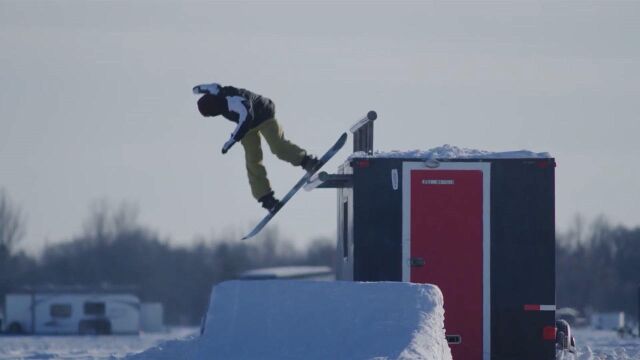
(15, 328)
(564, 339)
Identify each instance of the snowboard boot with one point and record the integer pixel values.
(270, 203)
(309, 163)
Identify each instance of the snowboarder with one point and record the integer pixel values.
(255, 116)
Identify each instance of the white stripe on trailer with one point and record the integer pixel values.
(536, 307)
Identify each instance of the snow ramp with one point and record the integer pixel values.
(279, 319)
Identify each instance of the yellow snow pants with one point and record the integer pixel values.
(281, 147)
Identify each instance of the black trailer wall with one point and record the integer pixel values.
(522, 238)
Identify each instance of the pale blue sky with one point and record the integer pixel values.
(95, 101)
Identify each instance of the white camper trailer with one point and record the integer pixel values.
(66, 312)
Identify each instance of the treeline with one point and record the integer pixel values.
(598, 267)
(115, 250)
(597, 264)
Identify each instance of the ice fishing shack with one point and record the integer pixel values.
(479, 225)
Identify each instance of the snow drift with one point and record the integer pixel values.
(278, 319)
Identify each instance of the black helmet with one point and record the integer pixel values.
(212, 105)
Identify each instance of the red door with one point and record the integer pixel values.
(446, 250)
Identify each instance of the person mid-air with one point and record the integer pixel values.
(255, 116)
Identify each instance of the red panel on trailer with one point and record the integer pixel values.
(446, 232)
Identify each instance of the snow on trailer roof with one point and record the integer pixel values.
(287, 272)
(452, 152)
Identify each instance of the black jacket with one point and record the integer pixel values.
(245, 108)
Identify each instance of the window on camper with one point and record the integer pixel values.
(94, 308)
(60, 310)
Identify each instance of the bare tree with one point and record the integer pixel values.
(575, 236)
(11, 223)
(104, 223)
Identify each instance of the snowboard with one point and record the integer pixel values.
(305, 178)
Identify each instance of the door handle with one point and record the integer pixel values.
(454, 339)
(417, 262)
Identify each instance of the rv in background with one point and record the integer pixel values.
(72, 311)
(152, 317)
(290, 272)
(607, 321)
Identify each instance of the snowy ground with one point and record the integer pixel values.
(592, 345)
(603, 345)
(84, 347)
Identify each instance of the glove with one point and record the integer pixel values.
(228, 145)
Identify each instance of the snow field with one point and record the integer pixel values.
(84, 347)
(602, 345)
